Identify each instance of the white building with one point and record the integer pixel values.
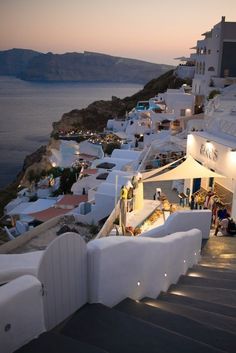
(215, 59)
(104, 193)
(215, 147)
(186, 68)
(165, 111)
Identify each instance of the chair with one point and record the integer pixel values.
(21, 227)
(11, 233)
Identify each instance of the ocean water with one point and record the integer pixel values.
(27, 110)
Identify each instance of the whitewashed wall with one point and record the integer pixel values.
(135, 267)
(225, 158)
(185, 71)
(21, 313)
(16, 265)
(181, 221)
(118, 267)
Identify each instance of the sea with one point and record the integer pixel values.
(28, 109)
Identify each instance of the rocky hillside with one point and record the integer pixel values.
(95, 116)
(15, 61)
(90, 67)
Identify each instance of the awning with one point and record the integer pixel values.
(151, 173)
(189, 169)
(182, 58)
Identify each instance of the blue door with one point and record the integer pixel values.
(196, 184)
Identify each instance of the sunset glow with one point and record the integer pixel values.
(152, 30)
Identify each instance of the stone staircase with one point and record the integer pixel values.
(198, 314)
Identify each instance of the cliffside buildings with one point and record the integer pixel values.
(215, 59)
(215, 148)
(212, 66)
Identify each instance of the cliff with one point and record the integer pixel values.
(15, 61)
(90, 67)
(86, 67)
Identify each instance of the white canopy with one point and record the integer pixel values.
(189, 169)
(152, 172)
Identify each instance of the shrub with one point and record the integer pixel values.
(108, 148)
(68, 178)
(213, 93)
(94, 229)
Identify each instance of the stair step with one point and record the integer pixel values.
(226, 310)
(50, 342)
(180, 324)
(212, 262)
(204, 267)
(207, 282)
(216, 320)
(223, 258)
(219, 295)
(118, 332)
(205, 272)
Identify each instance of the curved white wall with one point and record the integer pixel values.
(181, 221)
(21, 309)
(118, 267)
(135, 267)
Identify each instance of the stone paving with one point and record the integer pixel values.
(166, 187)
(219, 252)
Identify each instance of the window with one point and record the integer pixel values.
(211, 182)
(200, 68)
(203, 68)
(211, 68)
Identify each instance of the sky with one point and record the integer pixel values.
(150, 30)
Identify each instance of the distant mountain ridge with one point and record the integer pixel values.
(15, 61)
(87, 67)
